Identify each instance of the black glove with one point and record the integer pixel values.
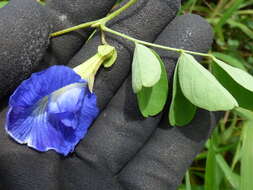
(122, 150)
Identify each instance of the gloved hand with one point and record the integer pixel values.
(122, 150)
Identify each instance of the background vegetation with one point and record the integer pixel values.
(226, 162)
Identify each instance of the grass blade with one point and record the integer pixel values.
(247, 157)
(228, 13)
(242, 27)
(213, 176)
(233, 178)
(187, 181)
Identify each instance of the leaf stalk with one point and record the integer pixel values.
(109, 30)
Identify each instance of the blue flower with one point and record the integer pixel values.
(51, 110)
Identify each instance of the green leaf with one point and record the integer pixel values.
(146, 69)
(230, 60)
(240, 76)
(201, 88)
(3, 3)
(238, 82)
(181, 110)
(247, 157)
(151, 100)
(244, 113)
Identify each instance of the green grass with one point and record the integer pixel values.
(226, 162)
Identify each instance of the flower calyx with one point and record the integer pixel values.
(106, 56)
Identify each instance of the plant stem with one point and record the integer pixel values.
(106, 29)
(249, 11)
(118, 12)
(103, 40)
(101, 25)
(96, 22)
(77, 27)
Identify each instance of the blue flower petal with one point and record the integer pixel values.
(54, 114)
(66, 101)
(42, 84)
(88, 111)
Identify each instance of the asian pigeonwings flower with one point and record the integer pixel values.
(51, 110)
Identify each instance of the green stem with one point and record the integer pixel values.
(117, 12)
(106, 29)
(95, 23)
(77, 27)
(101, 24)
(244, 12)
(103, 40)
